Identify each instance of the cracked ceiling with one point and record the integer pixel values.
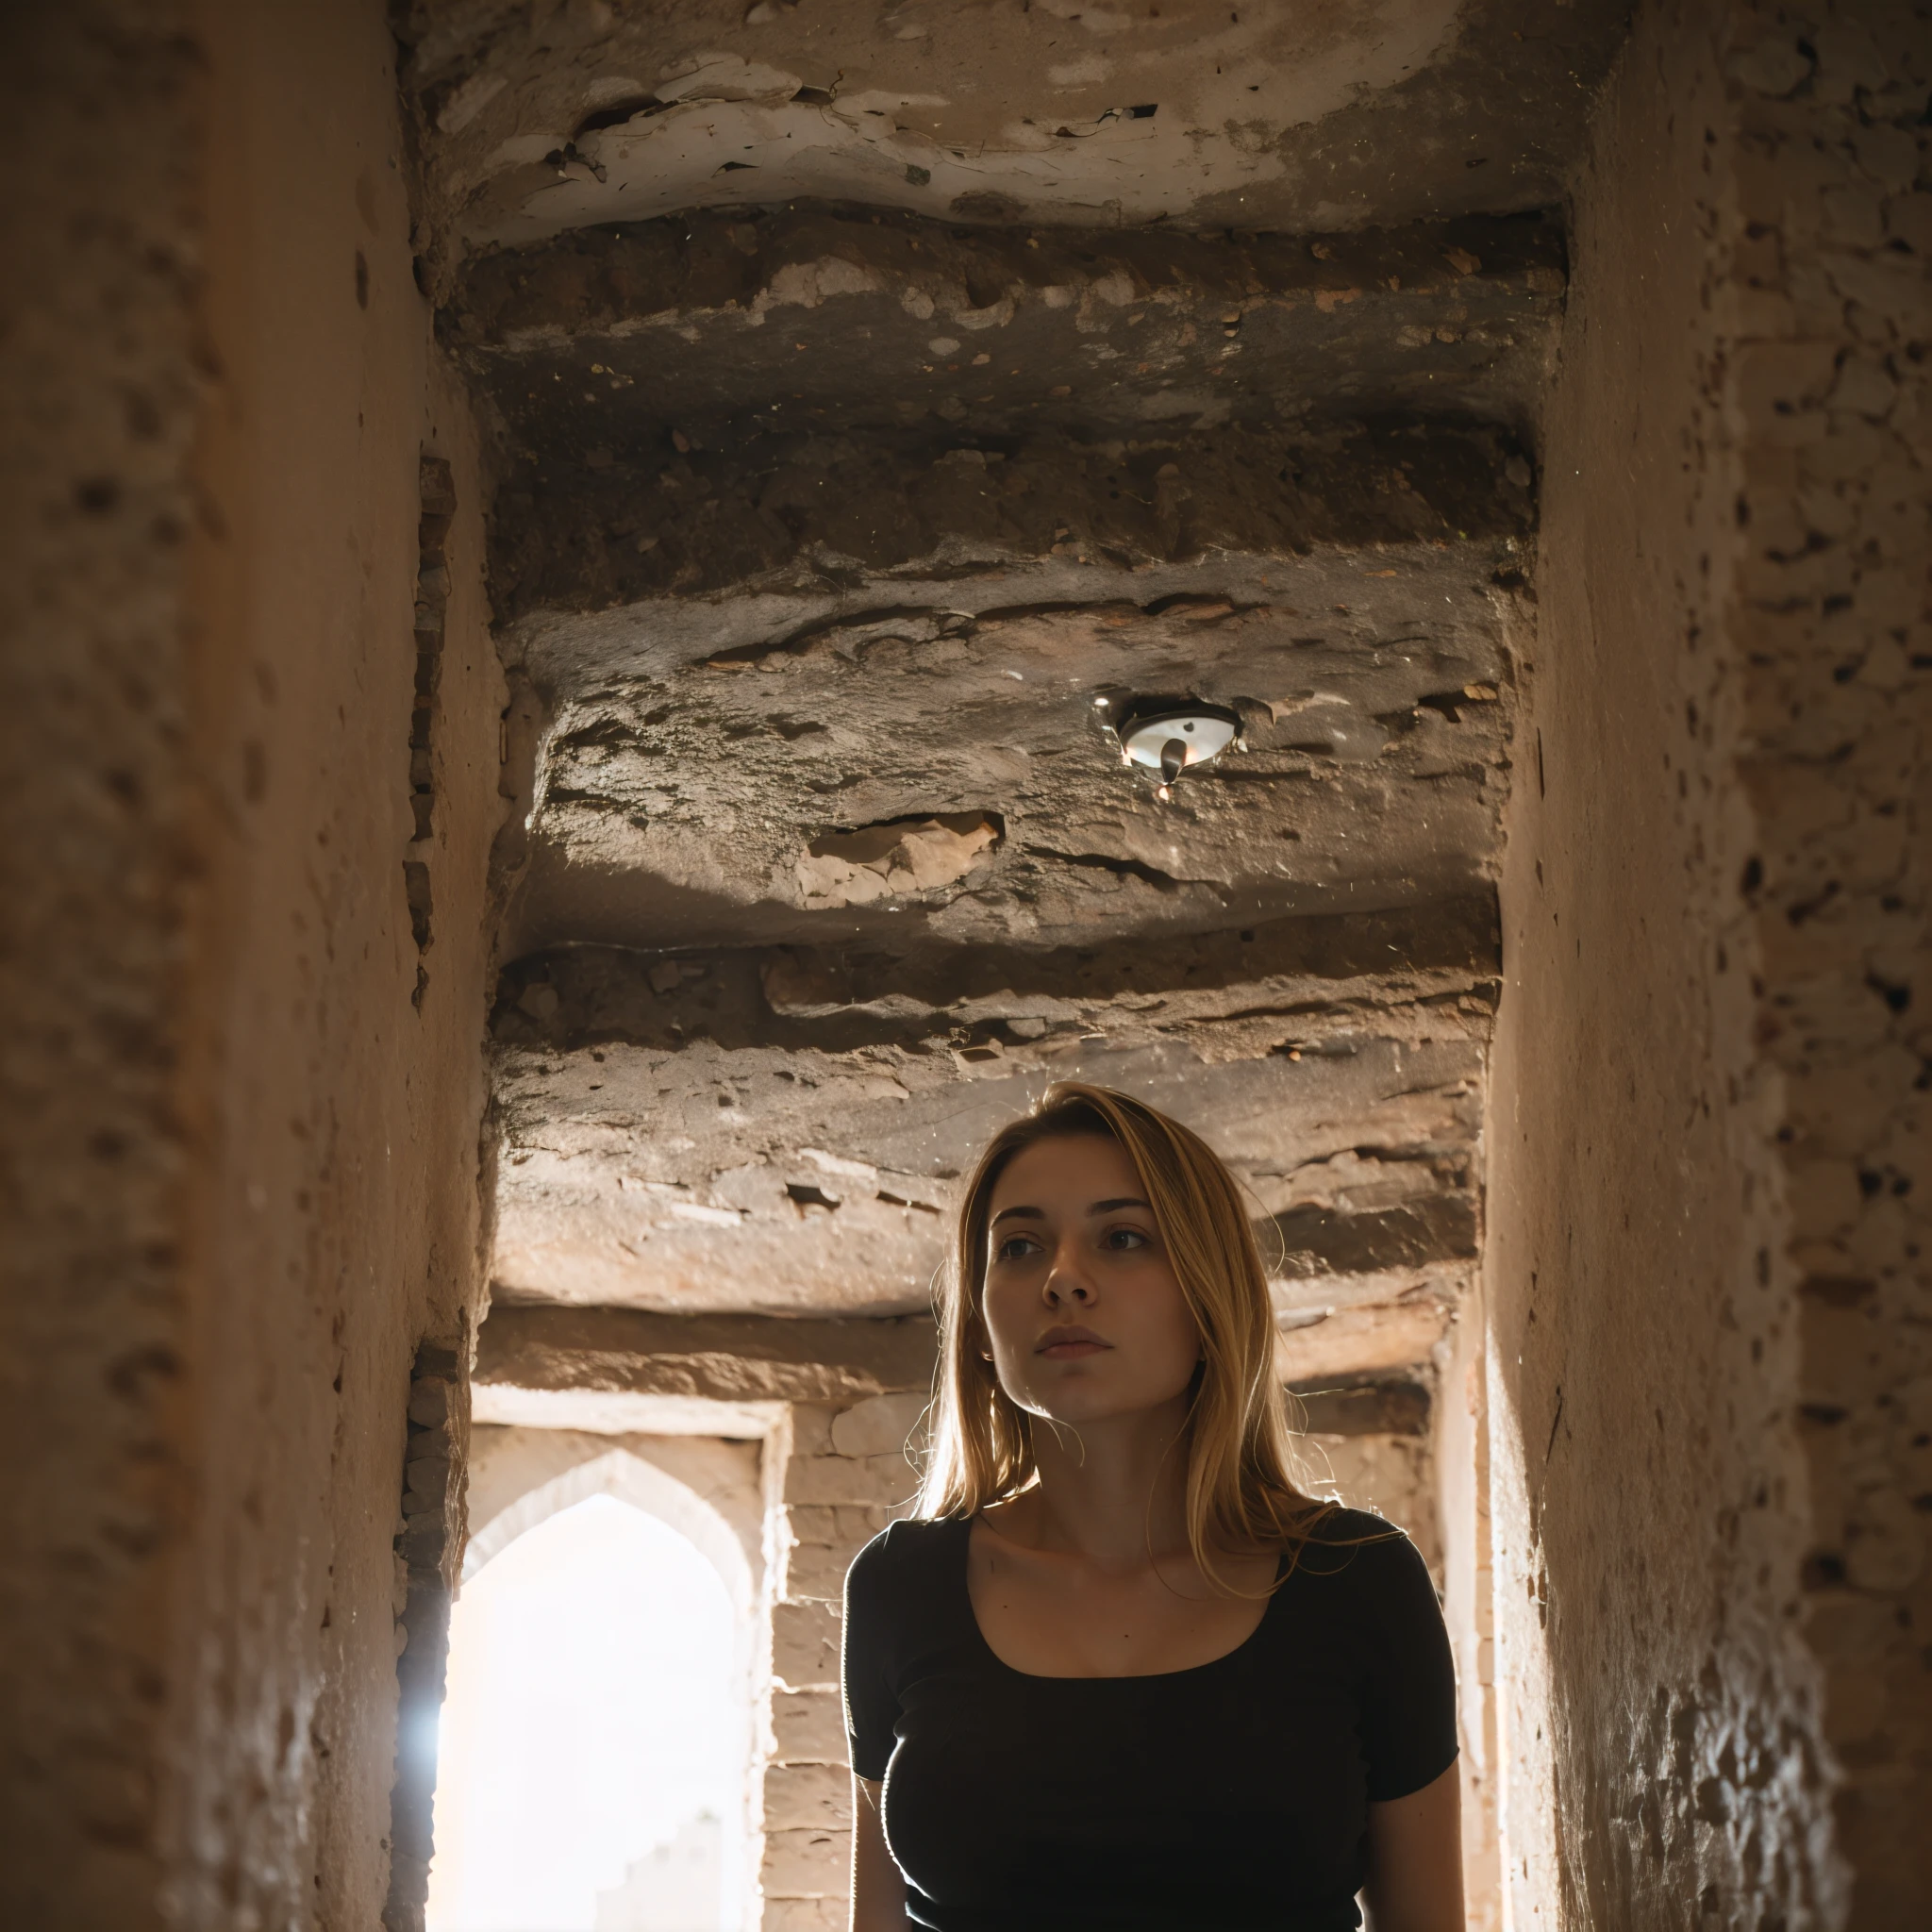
(874, 420)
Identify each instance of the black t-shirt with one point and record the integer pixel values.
(1226, 1798)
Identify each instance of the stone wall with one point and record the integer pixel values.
(240, 1133)
(1706, 1264)
(838, 1474)
(1830, 404)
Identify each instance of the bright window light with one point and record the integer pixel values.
(592, 1720)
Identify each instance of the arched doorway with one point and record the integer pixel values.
(595, 1738)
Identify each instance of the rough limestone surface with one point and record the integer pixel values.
(810, 512)
(1373, 694)
(1832, 413)
(1706, 1216)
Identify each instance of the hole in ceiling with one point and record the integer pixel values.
(617, 114)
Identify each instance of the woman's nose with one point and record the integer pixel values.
(1065, 1283)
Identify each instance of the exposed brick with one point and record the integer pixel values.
(815, 1570)
(845, 1526)
(808, 1727)
(811, 1428)
(808, 1797)
(804, 1914)
(872, 1479)
(807, 1864)
(883, 1426)
(804, 1644)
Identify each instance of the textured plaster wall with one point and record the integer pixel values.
(92, 523)
(238, 1161)
(1710, 1344)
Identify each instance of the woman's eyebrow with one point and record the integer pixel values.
(1039, 1213)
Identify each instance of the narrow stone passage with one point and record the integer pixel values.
(629, 625)
(834, 548)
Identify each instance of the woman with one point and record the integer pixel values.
(1124, 1674)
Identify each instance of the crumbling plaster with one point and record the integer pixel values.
(1705, 1230)
(242, 1159)
(1368, 773)
(1266, 115)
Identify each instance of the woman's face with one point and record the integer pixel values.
(1084, 1314)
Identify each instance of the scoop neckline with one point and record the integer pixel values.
(1136, 1678)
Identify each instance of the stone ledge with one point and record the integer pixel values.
(1366, 1404)
(575, 998)
(845, 320)
(632, 529)
(723, 1359)
(1353, 1341)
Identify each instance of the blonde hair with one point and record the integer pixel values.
(1240, 1491)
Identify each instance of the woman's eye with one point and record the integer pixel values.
(1015, 1245)
(1124, 1238)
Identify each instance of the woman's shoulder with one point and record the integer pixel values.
(1362, 1551)
(908, 1554)
(1338, 1525)
(1366, 1587)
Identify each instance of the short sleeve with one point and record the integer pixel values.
(1408, 1690)
(872, 1707)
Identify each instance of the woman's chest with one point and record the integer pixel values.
(1253, 1757)
(1049, 1618)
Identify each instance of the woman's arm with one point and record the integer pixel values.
(1415, 1861)
(878, 1889)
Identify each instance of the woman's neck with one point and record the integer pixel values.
(1113, 1492)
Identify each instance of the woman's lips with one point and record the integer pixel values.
(1068, 1351)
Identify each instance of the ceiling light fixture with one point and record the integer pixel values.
(1167, 735)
